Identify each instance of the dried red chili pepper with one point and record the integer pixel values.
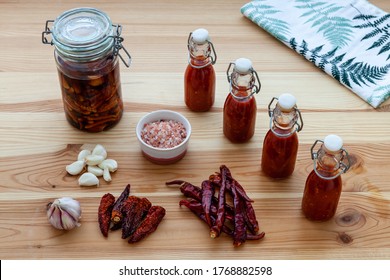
(216, 179)
(128, 210)
(207, 197)
(241, 215)
(149, 224)
(188, 189)
(216, 229)
(104, 213)
(249, 236)
(250, 215)
(116, 215)
(194, 206)
(191, 191)
(239, 233)
(229, 214)
(134, 210)
(197, 209)
(141, 211)
(175, 182)
(256, 236)
(239, 188)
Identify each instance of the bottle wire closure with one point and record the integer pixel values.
(343, 165)
(255, 88)
(298, 123)
(213, 55)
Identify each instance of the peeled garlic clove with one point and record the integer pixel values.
(95, 170)
(88, 179)
(106, 175)
(75, 167)
(94, 159)
(83, 154)
(64, 213)
(100, 151)
(111, 164)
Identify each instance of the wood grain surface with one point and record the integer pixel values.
(36, 142)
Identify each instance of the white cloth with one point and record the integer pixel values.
(349, 39)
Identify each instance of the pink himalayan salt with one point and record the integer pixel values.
(164, 133)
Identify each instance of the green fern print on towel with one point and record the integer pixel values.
(323, 18)
(349, 39)
(345, 71)
(380, 93)
(266, 16)
(378, 29)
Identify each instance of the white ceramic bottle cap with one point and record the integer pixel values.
(200, 36)
(243, 65)
(287, 101)
(333, 143)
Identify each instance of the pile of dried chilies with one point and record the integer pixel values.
(136, 216)
(238, 221)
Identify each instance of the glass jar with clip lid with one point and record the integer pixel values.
(87, 47)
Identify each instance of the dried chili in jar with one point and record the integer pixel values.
(87, 47)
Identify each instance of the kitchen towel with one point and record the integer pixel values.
(349, 39)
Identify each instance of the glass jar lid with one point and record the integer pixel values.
(83, 34)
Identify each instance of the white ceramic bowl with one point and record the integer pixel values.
(163, 155)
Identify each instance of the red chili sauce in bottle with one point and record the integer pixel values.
(279, 154)
(240, 108)
(199, 77)
(323, 185)
(280, 146)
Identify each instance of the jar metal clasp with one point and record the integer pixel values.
(46, 32)
(117, 41)
(118, 46)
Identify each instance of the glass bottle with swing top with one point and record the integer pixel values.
(323, 185)
(280, 146)
(240, 109)
(199, 77)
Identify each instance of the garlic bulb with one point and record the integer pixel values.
(64, 213)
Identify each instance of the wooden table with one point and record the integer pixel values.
(37, 143)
